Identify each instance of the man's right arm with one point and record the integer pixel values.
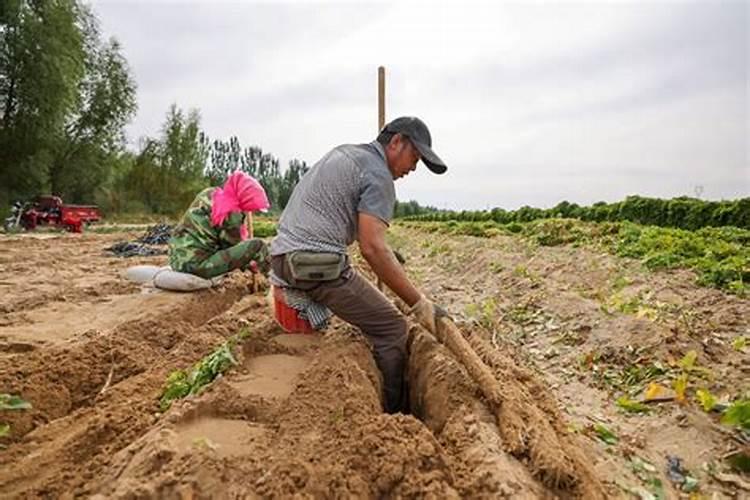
(383, 262)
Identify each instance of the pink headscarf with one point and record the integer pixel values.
(241, 193)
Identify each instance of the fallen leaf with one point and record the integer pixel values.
(656, 392)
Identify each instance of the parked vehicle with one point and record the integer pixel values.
(50, 210)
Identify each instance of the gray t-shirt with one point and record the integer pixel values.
(321, 215)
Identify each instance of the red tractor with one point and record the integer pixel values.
(50, 211)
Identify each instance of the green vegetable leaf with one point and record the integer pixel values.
(688, 361)
(4, 430)
(631, 406)
(739, 343)
(690, 484)
(688, 364)
(657, 488)
(180, 384)
(605, 434)
(738, 414)
(10, 402)
(706, 399)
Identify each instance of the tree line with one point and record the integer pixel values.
(682, 212)
(168, 171)
(66, 95)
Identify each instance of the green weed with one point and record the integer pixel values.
(11, 402)
(631, 406)
(738, 414)
(180, 384)
(606, 435)
(485, 313)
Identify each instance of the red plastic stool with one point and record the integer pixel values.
(287, 317)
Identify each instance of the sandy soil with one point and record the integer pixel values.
(302, 415)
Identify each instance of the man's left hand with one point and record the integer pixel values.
(427, 313)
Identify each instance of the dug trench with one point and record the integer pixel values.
(298, 415)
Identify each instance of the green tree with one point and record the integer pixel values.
(224, 158)
(93, 137)
(64, 99)
(41, 66)
(289, 181)
(169, 171)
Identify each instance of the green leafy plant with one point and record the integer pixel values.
(739, 343)
(738, 414)
(720, 256)
(706, 399)
(689, 365)
(10, 402)
(647, 473)
(680, 385)
(631, 406)
(604, 434)
(180, 384)
(485, 312)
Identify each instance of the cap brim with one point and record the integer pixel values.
(430, 159)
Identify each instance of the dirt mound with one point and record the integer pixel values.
(302, 415)
(521, 446)
(299, 415)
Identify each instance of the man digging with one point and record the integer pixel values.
(349, 195)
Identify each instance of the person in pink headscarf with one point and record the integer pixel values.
(213, 238)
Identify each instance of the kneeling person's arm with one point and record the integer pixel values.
(378, 254)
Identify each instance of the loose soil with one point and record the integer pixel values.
(302, 414)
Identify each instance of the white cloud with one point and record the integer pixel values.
(529, 103)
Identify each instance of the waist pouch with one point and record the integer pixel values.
(315, 266)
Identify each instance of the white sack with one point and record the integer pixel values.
(142, 274)
(167, 279)
(182, 282)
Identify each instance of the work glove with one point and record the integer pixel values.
(427, 313)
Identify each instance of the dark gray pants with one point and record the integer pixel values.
(354, 299)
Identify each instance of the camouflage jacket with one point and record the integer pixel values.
(195, 239)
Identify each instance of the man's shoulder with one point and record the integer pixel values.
(363, 154)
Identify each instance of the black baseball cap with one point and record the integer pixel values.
(417, 132)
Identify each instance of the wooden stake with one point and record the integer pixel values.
(381, 98)
(381, 120)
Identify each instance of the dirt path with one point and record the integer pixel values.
(302, 415)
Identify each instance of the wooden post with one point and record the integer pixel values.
(381, 120)
(381, 98)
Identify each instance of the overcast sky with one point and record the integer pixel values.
(528, 102)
